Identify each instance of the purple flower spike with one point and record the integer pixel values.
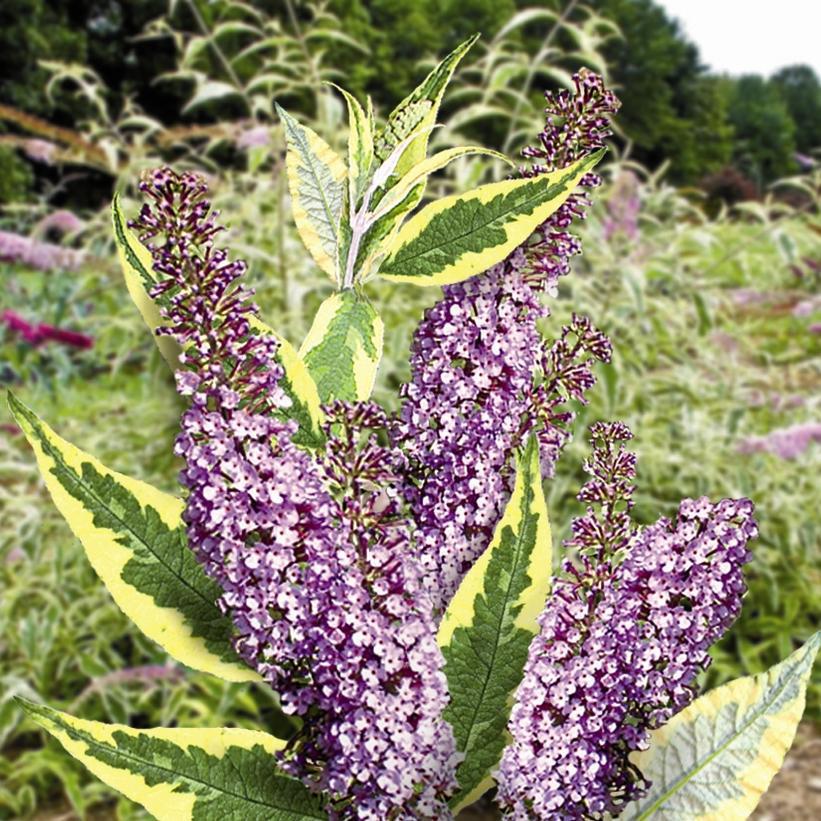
(257, 511)
(576, 125)
(623, 637)
(482, 376)
(313, 556)
(379, 669)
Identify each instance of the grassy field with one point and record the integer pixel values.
(715, 329)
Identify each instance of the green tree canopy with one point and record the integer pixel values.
(800, 90)
(764, 130)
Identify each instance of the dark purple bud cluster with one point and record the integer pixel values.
(625, 633)
(576, 124)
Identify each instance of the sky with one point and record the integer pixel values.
(751, 36)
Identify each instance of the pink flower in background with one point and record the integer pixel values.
(42, 151)
(45, 256)
(807, 306)
(815, 328)
(65, 222)
(38, 334)
(255, 137)
(749, 296)
(786, 443)
(623, 207)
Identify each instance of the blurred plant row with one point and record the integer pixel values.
(716, 318)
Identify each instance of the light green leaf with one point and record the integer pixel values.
(360, 147)
(714, 760)
(182, 774)
(316, 180)
(459, 236)
(418, 110)
(209, 90)
(488, 627)
(343, 347)
(135, 540)
(137, 267)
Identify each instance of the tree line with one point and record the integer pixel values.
(740, 132)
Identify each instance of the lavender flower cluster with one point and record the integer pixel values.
(381, 733)
(314, 564)
(623, 637)
(335, 565)
(35, 253)
(482, 377)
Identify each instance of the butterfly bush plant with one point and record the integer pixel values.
(389, 575)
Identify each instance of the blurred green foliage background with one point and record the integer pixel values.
(702, 261)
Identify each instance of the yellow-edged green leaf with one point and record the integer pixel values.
(137, 267)
(316, 180)
(419, 173)
(134, 538)
(300, 387)
(488, 627)
(714, 760)
(380, 235)
(360, 146)
(343, 347)
(462, 235)
(182, 774)
(418, 110)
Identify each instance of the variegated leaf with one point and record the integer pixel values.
(298, 384)
(488, 627)
(381, 234)
(360, 147)
(462, 235)
(182, 774)
(316, 180)
(135, 540)
(343, 347)
(714, 760)
(137, 267)
(418, 110)
(419, 173)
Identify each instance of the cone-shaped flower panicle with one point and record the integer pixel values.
(312, 554)
(577, 122)
(623, 637)
(257, 511)
(482, 378)
(379, 669)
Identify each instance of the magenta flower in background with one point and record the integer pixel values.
(624, 634)
(42, 332)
